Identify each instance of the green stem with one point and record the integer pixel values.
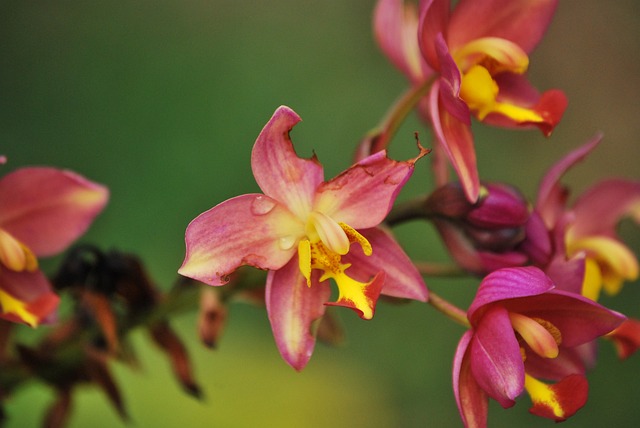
(439, 269)
(384, 132)
(407, 210)
(449, 309)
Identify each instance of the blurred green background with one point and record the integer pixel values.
(162, 101)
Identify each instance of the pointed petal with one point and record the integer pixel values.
(294, 309)
(523, 22)
(249, 229)
(47, 209)
(537, 243)
(402, 278)
(599, 210)
(547, 201)
(167, 339)
(363, 195)
(450, 84)
(279, 172)
(496, 360)
(434, 18)
(558, 401)
(457, 141)
(396, 27)
(26, 297)
(509, 283)
(471, 399)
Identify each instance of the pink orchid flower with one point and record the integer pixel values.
(522, 328)
(480, 50)
(585, 232)
(302, 230)
(42, 211)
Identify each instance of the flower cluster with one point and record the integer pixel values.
(540, 264)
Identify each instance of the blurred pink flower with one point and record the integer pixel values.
(301, 230)
(42, 211)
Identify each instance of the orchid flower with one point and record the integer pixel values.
(303, 230)
(585, 231)
(480, 50)
(522, 328)
(42, 211)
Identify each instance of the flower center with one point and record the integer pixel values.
(327, 241)
(479, 62)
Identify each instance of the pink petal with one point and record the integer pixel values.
(599, 210)
(434, 18)
(396, 28)
(579, 319)
(249, 229)
(450, 83)
(457, 141)
(363, 195)
(568, 275)
(31, 288)
(294, 309)
(523, 22)
(549, 195)
(537, 243)
(279, 172)
(496, 361)
(568, 361)
(509, 283)
(402, 278)
(47, 209)
(471, 399)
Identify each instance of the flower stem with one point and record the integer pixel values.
(449, 309)
(439, 269)
(381, 135)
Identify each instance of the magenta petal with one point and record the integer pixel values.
(471, 399)
(568, 361)
(279, 172)
(549, 195)
(496, 360)
(47, 209)
(245, 230)
(601, 207)
(523, 22)
(370, 186)
(457, 141)
(450, 83)
(293, 308)
(402, 278)
(579, 319)
(509, 283)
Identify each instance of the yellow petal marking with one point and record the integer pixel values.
(615, 261)
(540, 392)
(11, 305)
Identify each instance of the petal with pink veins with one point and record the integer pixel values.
(294, 310)
(249, 229)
